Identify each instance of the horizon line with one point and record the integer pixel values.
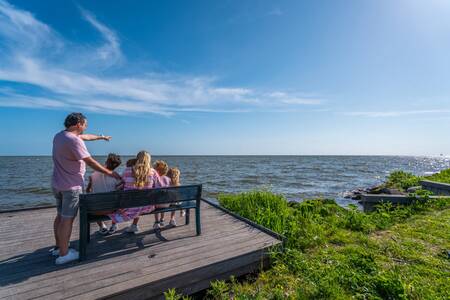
(229, 155)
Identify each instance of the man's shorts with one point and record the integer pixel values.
(67, 202)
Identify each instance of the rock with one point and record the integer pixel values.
(413, 189)
(390, 191)
(292, 203)
(356, 197)
(376, 189)
(354, 194)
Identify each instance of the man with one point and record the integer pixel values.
(70, 157)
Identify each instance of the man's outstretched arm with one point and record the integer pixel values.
(98, 167)
(94, 137)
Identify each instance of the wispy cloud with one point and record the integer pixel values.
(384, 114)
(68, 75)
(250, 15)
(109, 52)
(275, 12)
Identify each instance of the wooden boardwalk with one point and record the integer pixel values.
(127, 266)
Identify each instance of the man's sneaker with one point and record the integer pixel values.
(132, 228)
(71, 255)
(157, 226)
(103, 230)
(161, 223)
(112, 229)
(54, 251)
(173, 223)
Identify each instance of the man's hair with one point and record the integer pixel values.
(73, 119)
(113, 161)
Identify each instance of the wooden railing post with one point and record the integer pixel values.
(198, 225)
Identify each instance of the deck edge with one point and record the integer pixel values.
(249, 222)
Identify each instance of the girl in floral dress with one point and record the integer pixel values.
(139, 177)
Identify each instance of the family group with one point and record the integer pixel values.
(138, 174)
(70, 157)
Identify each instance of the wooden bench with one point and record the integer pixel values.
(180, 197)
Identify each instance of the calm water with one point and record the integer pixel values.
(25, 181)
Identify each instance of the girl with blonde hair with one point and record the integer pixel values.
(138, 177)
(174, 175)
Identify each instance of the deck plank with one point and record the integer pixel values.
(125, 266)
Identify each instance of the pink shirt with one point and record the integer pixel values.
(68, 165)
(165, 181)
(153, 180)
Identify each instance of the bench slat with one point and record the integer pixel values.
(135, 198)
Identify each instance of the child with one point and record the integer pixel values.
(140, 176)
(174, 175)
(161, 167)
(100, 183)
(131, 162)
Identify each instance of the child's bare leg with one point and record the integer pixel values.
(162, 217)
(172, 215)
(135, 221)
(101, 224)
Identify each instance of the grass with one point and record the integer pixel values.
(443, 176)
(335, 253)
(403, 180)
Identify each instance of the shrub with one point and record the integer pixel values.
(402, 180)
(443, 176)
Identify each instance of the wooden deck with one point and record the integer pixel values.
(127, 266)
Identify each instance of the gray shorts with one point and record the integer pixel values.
(67, 202)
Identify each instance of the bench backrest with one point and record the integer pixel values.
(135, 198)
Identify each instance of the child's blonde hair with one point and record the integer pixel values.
(142, 168)
(161, 167)
(174, 175)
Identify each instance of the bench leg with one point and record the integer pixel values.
(82, 243)
(187, 216)
(198, 226)
(88, 231)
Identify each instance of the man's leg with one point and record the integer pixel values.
(63, 234)
(69, 210)
(58, 197)
(55, 228)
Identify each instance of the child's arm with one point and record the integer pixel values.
(89, 186)
(120, 185)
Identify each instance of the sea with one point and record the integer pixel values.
(25, 181)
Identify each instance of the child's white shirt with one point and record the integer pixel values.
(102, 183)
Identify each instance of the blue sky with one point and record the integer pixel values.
(228, 77)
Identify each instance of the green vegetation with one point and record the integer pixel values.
(402, 180)
(337, 253)
(443, 176)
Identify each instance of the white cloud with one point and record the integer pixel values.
(69, 75)
(111, 50)
(375, 114)
(20, 31)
